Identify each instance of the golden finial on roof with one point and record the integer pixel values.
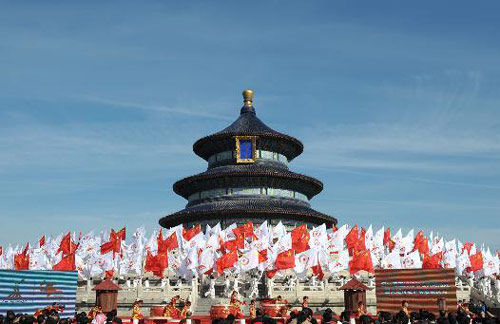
(248, 97)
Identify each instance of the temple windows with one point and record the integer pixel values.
(259, 154)
(235, 192)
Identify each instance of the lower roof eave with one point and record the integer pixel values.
(198, 216)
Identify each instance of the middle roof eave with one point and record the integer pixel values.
(248, 176)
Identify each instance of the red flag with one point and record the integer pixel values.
(476, 262)
(115, 242)
(360, 243)
(169, 244)
(156, 264)
(285, 260)
(271, 273)
(1, 250)
(262, 256)
(42, 241)
(421, 243)
(22, 260)
(246, 230)
(388, 240)
(189, 233)
(226, 261)
(361, 260)
(318, 271)
(467, 247)
(432, 262)
(122, 234)
(387, 236)
(67, 246)
(300, 238)
(351, 238)
(67, 263)
(234, 245)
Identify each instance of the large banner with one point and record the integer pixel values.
(26, 291)
(420, 287)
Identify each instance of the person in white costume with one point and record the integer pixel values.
(254, 288)
(236, 284)
(178, 284)
(497, 287)
(227, 286)
(211, 288)
(270, 286)
(290, 282)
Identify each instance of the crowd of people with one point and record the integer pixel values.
(466, 313)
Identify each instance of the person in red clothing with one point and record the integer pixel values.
(136, 311)
(94, 311)
(236, 303)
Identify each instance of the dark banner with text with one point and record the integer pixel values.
(422, 288)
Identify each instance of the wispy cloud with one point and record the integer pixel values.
(200, 112)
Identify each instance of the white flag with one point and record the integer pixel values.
(463, 262)
(369, 239)
(284, 244)
(318, 237)
(392, 261)
(412, 261)
(207, 260)
(378, 240)
(262, 232)
(279, 231)
(449, 260)
(491, 264)
(248, 261)
(306, 260)
(338, 261)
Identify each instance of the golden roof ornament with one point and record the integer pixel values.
(248, 97)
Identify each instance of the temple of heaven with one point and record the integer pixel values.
(248, 178)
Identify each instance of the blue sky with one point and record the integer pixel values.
(397, 104)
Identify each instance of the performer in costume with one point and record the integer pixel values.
(54, 307)
(136, 311)
(171, 309)
(94, 311)
(211, 289)
(254, 288)
(404, 308)
(227, 285)
(280, 300)
(305, 302)
(186, 310)
(236, 303)
(361, 310)
(236, 284)
(253, 309)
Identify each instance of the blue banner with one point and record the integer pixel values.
(26, 291)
